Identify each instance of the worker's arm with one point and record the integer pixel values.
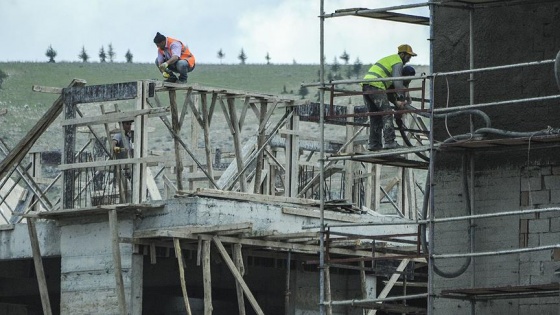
(175, 49)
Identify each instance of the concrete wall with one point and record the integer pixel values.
(502, 36)
(508, 188)
(523, 178)
(85, 270)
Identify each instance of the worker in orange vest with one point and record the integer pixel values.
(173, 57)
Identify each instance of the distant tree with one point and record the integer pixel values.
(335, 67)
(221, 55)
(294, 62)
(284, 90)
(102, 54)
(3, 75)
(303, 91)
(128, 56)
(83, 55)
(345, 57)
(111, 52)
(51, 53)
(242, 57)
(267, 58)
(357, 68)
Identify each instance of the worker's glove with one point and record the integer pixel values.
(166, 75)
(117, 150)
(163, 66)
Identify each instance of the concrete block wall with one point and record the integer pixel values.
(505, 189)
(88, 284)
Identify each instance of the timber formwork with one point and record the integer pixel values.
(274, 162)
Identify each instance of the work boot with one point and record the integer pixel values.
(392, 145)
(172, 78)
(375, 147)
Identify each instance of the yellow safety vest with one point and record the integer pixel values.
(382, 69)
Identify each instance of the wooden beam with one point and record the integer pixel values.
(113, 226)
(38, 261)
(391, 282)
(206, 277)
(22, 148)
(179, 255)
(238, 259)
(188, 231)
(176, 129)
(237, 275)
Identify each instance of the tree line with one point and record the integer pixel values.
(84, 56)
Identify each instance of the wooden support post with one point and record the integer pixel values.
(237, 142)
(238, 259)
(391, 282)
(113, 226)
(328, 295)
(237, 275)
(179, 256)
(38, 261)
(207, 145)
(207, 279)
(176, 130)
(260, 143)
(292, 158)
(288, 290)
(349, 166)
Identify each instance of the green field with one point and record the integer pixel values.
(25, 107)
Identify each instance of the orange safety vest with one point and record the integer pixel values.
(185, 52)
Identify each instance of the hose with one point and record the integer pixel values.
(557, 69)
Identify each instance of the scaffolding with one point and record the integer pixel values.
(254, 169)
(473, 141)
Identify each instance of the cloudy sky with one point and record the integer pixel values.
(288, 30)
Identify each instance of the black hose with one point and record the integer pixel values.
(557, 69)
(466, 194)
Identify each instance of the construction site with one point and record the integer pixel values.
(250, 211)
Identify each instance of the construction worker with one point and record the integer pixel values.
(123, 147)
(377, 101)
(173, 57)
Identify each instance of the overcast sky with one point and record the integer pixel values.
(288, 30)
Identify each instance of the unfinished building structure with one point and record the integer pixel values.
(266, 218)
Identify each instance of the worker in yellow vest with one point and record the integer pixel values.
(375, 97)
(173, 56)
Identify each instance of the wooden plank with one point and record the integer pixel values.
(113, 226)
(237, 275)
(179, 255)
(260, 143)
(329, 215)
(391, 282)
(40, 272)
(328, 295)
(176, 130)
(238, 259)
(152, 186)
(237, 143)
(252, 197)
(207, 145)
(206, 278)
(114, 117)
(46, 89)
(189, 230)
(24, 145)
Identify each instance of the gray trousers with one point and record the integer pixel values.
(378, 125)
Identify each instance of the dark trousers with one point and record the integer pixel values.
(378, 125)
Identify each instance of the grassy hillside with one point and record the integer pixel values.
(25, 107)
